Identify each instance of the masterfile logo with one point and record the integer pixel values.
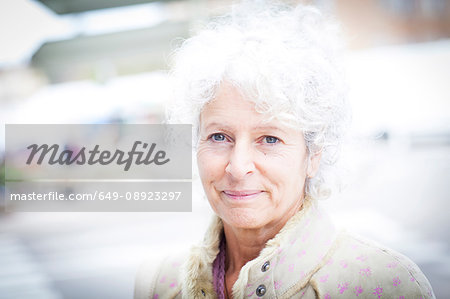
(94, 156)
(110, 167)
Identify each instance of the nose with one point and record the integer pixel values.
(241, 161)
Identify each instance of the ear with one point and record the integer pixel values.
(313, 164)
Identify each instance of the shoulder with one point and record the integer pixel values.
(356, 266)
(159, 279)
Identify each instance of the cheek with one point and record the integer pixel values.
(286, 175)
(210, 165)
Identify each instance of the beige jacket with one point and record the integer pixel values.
(306, 259)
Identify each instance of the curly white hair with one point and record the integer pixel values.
(285, 59)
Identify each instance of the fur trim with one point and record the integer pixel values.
(197, 280)
(197, 270)
(270, 249)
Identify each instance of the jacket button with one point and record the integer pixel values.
(266, 266)
(261, 290)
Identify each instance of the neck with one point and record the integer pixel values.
(244, 245)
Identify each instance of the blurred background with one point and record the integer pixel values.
(105, 61)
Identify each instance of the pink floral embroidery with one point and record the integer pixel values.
(396, 281)
(301, 252)
(249, 285)
(277, 284)
(291, 267)
(330, 261)
(358, 290)
(401, 297)
(251, 294)
(378, 291)
(156, 296)
(343, 287)
(367, 272)
(412, 278)
(282, 259)
(163, 279)
(392, 265)
(344, 264)
(293, 241)
(265, 278)
(302, 274)
(327, 296)
(362, 258)
(173, 284)
(324, 278)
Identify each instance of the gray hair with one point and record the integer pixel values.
(286, 60)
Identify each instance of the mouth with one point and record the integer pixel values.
(242, 194)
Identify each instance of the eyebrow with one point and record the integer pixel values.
(270, 127)
(259, 127)
(216, 124)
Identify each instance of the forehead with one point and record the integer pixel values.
(230, 107)
(230, 103)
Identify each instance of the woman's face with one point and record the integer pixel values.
(253, 171)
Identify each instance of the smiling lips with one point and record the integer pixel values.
(242, 195)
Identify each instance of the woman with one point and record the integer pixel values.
(265, 93)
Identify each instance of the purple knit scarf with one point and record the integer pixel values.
(219, 270)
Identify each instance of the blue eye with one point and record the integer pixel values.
(217, 137)
(271, 139)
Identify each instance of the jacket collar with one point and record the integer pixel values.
(294, 255)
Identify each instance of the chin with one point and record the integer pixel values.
(243, 219)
